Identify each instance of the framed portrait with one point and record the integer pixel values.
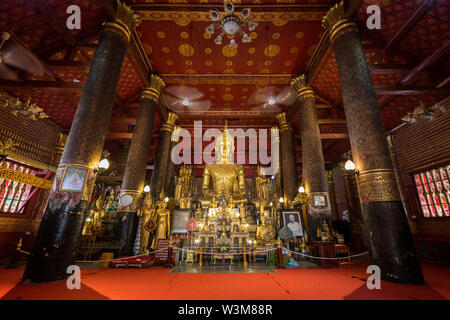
(74, 179)
(179, 220)
(293, 221)
(319, 201)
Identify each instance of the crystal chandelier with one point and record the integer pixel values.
(231, 24)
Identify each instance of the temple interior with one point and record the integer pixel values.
(301, 138)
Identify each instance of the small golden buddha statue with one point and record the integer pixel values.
(162, 222)
(110, 202)
(96, 216)
(264, 231)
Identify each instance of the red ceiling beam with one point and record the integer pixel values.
(55, 22)
(408, 90)
(40, 84)
(435, 57)
(423, 8)
(204, 7)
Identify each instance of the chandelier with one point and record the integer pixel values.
(15, 107)
(231, 24)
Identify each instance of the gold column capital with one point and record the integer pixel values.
(282, 121)
(125, 20)
(169, 125)
(336, 23)
(154, 89)
(303, 90)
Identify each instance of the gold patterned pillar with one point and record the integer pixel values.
(288, 159)
(333, 203)
(170, 167)
(313, 176)
(162, 156)
(354, 208)
(60, 231)
(389, 237)
(134, 175)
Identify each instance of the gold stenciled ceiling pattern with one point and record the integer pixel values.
(179, 48)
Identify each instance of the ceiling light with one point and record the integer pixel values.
(271, 101)
(104, 164)
(185, 102)
(147, 189)
(349, 165)
(231, 24)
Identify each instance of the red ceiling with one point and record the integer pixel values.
(165, 38)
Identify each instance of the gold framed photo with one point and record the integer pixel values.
(74, 178)
(319, 200)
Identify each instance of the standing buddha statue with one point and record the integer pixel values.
(162, 222)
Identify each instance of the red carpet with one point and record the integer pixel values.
(157, 283)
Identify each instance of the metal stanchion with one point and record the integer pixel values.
(245, 257)
(169, 254)
(280, 255)
(200, 257)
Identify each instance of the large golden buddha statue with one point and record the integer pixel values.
(227, 178)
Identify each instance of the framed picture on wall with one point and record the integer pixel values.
(179, 220)
(74, 179)
(293, 221)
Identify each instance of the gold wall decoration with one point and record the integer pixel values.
(279, 22)
(311, 50)
(272, 50)
(147, 48)
(378, 185)
(183, 22)
(25, 178)
(279, 19)
(186, 50)
(229, 51)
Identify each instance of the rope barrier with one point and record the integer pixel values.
(124, 258)
(226, 253)
(326, 258)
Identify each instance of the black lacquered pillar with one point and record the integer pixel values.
(314, 175)
(58, 238)
(162, 157)
(388, 234)
(170, 166)
(134, 175)
(288, 160)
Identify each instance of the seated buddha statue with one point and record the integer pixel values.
(226, 177)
